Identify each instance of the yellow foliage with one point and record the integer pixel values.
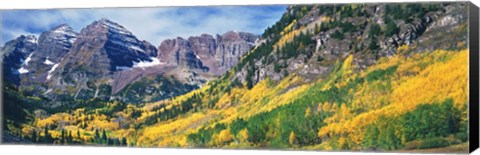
(228, 98)
(287, 37)
(325, 18)
(104, 124)
(429, 85)
(308, 112)
(243, 135)
(402, 48)
(225, 136)
(326, 107)
(172, 132)
(59, 119)
(291, 138)
(289, 27)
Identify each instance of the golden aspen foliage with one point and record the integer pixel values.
(325, 18)
(410, 91)
(319, 108)
(308, 112)
(292, 139)
(326, 107)
(243, 135)
(224, 137)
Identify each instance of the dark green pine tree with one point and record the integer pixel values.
(104, 137)
(34, 136)
(78, 134)
(115, 142)
(124, 141)
(97, 136)
(46, 138)
(69, 137)
(62, 141)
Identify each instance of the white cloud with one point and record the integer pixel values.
(151, 24)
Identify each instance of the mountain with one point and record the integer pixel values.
(104, 59)
(52, 46)
(101, 48)
(314, 42)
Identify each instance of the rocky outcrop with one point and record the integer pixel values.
(210, 54)
(433, 26)
(179, 52)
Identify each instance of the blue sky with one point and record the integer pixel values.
(151, 24)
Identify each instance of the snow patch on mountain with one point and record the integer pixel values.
(22, 70)
(51, 71)
(32, 39)
(136, 48)
(65, 34)
(143, 64)
(120, 68)
(25, 63)
(114, 26)
(48, 62)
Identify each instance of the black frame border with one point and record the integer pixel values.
(474, 77)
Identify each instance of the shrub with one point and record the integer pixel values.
(337, 35)
(391, 29)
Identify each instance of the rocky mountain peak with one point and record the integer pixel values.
(62, 28)
(62, 34)
(113, 26)
(16, 54)
(30, 38)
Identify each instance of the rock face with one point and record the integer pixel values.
(205, 54)
(104, 58)
(52, 47)
(16, 55)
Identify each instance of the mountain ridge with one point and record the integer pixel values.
(90, 63)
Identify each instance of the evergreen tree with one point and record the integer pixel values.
(391, 29)
(46, 138)
(373, 45)
(62, 141)
(374, 30)
(69, 138)
(124, 141)
(104, 137)
(34, 136)
(97, 136)
(84, 125)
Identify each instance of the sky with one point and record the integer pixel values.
(153, 24)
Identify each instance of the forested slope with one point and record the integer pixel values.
(324, 77)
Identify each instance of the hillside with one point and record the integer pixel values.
(324, 77)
